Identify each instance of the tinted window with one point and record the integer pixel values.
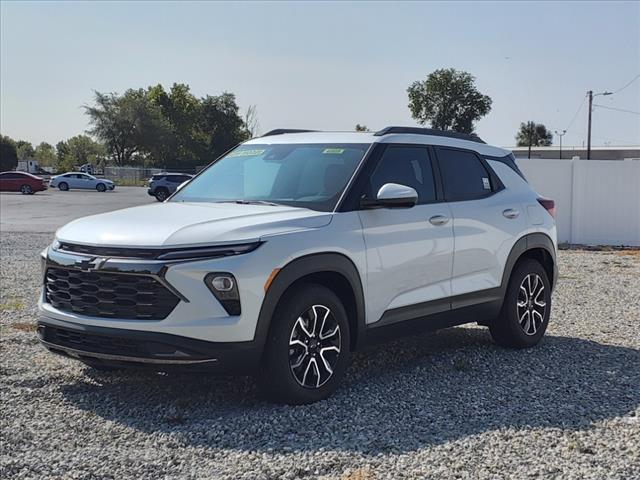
(408, 166)
(9, 176)
(463, 175)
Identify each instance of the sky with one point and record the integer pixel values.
(325, 65)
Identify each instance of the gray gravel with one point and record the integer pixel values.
(444, 405)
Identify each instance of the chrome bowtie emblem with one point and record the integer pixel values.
(89, 264)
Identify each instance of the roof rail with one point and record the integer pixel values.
(429, 131)
(280, 131)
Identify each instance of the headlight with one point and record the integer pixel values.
(55, 245)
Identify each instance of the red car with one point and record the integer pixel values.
(21, 182)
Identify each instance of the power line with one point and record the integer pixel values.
(616, 109)
(577, 112)
(630, 82)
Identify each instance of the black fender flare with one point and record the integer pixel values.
(528, 242)
(302, 267)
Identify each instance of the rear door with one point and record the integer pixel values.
(484, 220)
(9, 181)
(409, 258)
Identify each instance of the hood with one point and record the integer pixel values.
(188, 224)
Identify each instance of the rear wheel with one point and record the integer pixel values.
(101, 187)
(307, 351)
(162, 194)
(63, 186)
(527, 305)
(26, 189)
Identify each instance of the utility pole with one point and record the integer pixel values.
(590, 94)
(561, 135)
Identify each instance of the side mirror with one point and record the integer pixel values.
(393, 195)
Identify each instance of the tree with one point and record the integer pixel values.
(361, 128)
(79, 150)
(251, 121)
(8, 154)
(221, 126)
(129, 125)
(449, 100)
(532, 134)
(46, 155)
(25, 150)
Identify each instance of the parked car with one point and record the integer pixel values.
(87, 168)
(23, 182)
(70, 180)
(162, 185)
(297, 248)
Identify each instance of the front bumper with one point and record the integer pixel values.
(122, 348)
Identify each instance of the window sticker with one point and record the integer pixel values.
(247, 153)
(486, 184)
(333, 151)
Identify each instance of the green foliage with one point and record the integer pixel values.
(532, 134)
(361, 128)
(25, 150)
(160, 128)
(8, 154)
(46, 155)
(449, 100)
(79, 150)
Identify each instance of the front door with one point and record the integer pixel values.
(409, 250)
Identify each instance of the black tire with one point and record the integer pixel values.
(523, 320)
(101, 187)
(161, 194)
(26, 189)
(279, 379)
(63, 186)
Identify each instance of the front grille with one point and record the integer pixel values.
(108, 295)
(87, 342)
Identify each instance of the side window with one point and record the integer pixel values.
(463, 175)
(408, 166)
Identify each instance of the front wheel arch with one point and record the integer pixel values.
(331, 270)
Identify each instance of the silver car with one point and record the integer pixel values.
(79, 180)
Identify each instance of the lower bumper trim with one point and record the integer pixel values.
(141, 349)
(82, 354)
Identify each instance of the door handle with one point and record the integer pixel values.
(438, 220)
(511, 213)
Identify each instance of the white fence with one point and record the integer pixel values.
(598, 201)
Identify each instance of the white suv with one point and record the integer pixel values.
(297, 248)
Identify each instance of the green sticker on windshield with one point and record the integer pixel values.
(246, 153)
(333, 151)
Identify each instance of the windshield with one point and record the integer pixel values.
(301, 175)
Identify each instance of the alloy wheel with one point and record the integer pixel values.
(26, 189)
(531, 305)
(314, 347)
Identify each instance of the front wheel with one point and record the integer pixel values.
(527, 305)
(162, 194)
(26, 190)
(100, 187)
(307, 351)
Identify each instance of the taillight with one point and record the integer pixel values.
(548, 205)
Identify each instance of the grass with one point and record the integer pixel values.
(131, 183)
(12, 303)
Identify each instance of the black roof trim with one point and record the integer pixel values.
(429, 131)
(280, 131)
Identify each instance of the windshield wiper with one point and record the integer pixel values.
(250, 202)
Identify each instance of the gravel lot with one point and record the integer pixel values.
(444, 405)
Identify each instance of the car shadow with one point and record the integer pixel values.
(395, 398)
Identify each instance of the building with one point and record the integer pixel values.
(597, 153)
